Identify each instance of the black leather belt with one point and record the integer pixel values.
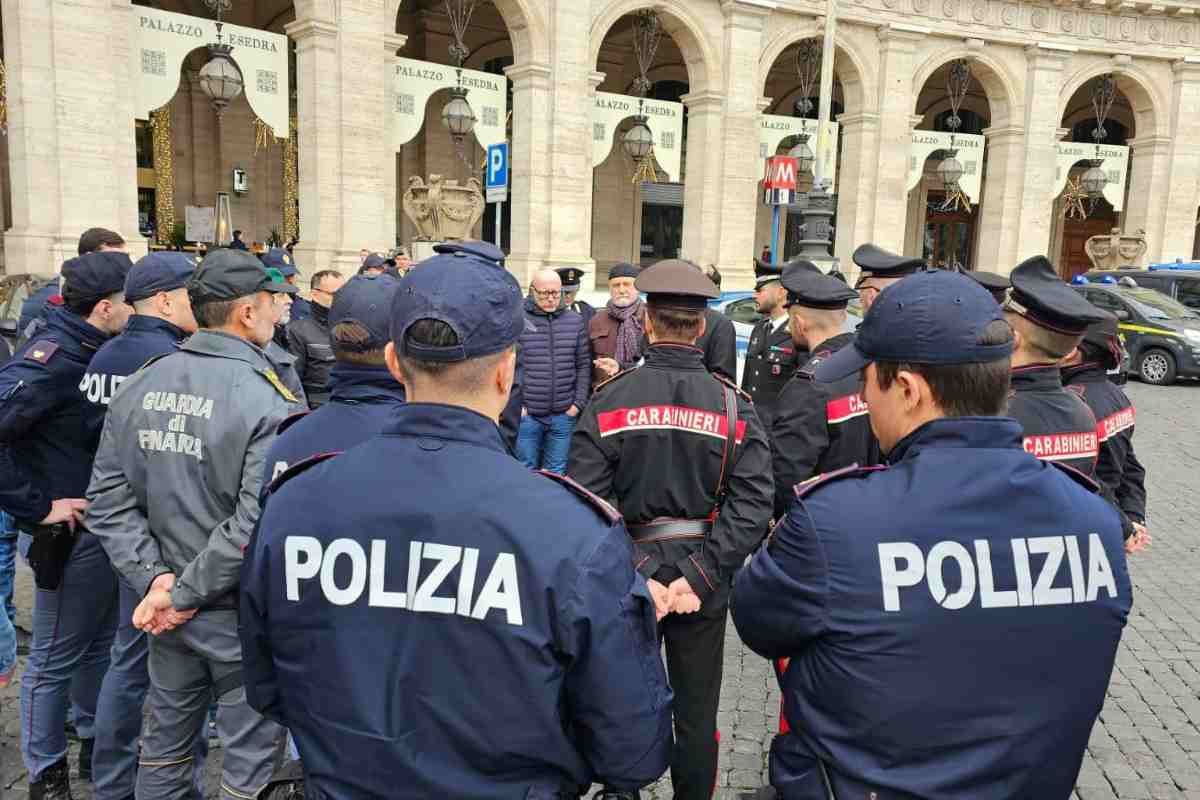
(662, 530)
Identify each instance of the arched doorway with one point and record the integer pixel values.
(943, 222)
(1079, 215)
(637, 220)
(431, 150)
(787, 100)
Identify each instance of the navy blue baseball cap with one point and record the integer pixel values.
(484, 250)
(98, 274)
(480, 301)
(367, 300)
(279, 259)
(158, 272)
(934, 317)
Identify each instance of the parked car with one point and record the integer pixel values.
(1179, 280)
(1161, 335)
(14, 289)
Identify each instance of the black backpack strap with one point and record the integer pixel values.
(731, 419)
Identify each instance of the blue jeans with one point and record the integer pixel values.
(8, 615)
(73, 629)
(543, 442)
(119, 711)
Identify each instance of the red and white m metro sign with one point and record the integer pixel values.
(677, 418)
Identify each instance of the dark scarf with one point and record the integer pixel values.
(630, 332)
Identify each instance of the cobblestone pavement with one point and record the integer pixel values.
(1147, 742)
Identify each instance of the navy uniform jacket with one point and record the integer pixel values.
(960, 649)
(1117, 467)
(585, 310)
(301, 308)
(1058, 425)
(48, 431)
(818, 427)
(771, 361)
(653, 439)
(362, 401)
(35, 305)
(144, 338)
(477, 629)
(719, 343)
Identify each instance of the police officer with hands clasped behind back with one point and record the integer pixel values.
(818, 427)
(962, 648)
(363, 394)
(174, 518)
(771, 357)
(511, 655)
(1085, 373)
(162, 318)
(48, 436)
(682, 452)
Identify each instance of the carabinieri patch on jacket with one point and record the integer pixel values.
(678, 418)
(1054, 446)
(841, 409)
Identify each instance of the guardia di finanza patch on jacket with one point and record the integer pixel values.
(174, 437)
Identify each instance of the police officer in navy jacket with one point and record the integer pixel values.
(49, 433)
(364, 396)
(817, 427)
(162, 318)
(1085, 373)
(1049, 318)
(510, 643)
(950, 632)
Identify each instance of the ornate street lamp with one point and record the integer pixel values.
(1093, 181)
(639, 140)
(803, 154)
(457, 115)
(950, 170)
(220, 78)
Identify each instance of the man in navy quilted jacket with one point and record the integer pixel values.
(557, 361)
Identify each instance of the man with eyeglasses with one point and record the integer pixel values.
(308, 339)
(880, 269)
(556, 358)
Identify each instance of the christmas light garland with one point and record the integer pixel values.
(164, 172)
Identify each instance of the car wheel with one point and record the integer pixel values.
(1157, 367)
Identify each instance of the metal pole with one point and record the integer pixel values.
(775, 234)
(499, 224)
(827, 52)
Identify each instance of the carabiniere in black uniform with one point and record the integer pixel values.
(1058, 425)
(681, 452)
(818, 427)
(1117, 467)
(771, 357)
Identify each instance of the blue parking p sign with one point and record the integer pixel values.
(497, 172)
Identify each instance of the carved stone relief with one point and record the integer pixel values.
(1009, 15)
(979, 10)
(1038, 18)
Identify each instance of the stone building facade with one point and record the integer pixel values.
(71, 161)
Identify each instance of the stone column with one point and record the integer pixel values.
(1150, 168)
(70, 128)
(896, 102)
(1000, 207)
(392, 42)
(741, 166)
(1043, 77)
(856, 185)
(532, 169)
(1173, 234)
(702, 190)
(342, 75)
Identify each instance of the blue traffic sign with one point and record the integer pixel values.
(497, 172)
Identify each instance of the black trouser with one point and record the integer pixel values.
(695, 655)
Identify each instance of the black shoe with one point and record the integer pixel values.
(86, 747)
(70, 731)
(615, 794)
(54, 784)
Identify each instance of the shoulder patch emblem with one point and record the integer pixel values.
(607, 381)
(273, 379)
(806, 487)
(291, 420)
(606, 510)
(41, 351)
(298, 467)
(1081, 478)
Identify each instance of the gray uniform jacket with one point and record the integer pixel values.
(175, 484)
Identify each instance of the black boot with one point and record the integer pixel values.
(86, 747)
(54, 783)
(609, 793)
